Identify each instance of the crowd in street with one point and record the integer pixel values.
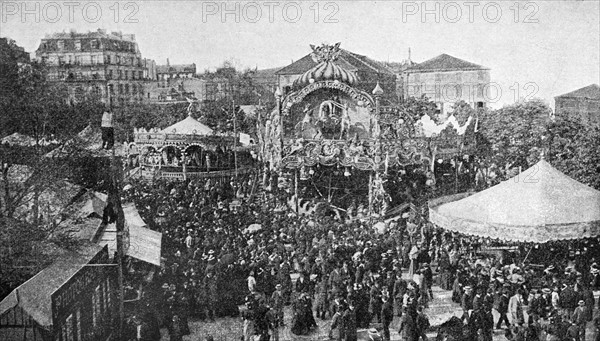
(345, 271)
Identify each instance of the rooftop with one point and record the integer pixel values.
(176, 68)
(591, 91)
(347, 60)
(445, 62)
(34, 296)
(100, 33)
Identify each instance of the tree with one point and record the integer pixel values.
(573, 149)
(512, 136)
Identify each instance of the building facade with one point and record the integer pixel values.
(582, 105)
(107, 65)
(167, 72)
(73, 299)
(446, 80)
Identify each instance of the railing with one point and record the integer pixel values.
(197, 175)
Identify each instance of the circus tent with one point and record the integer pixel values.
(539, 205)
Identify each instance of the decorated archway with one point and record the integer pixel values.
(329, 135)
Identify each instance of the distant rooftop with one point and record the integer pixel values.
(176, 68)
(445, 62)
(100, 33)
(591, 91)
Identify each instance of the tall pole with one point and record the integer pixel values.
(120, 226)
(234, 138)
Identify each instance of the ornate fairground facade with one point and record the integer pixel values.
(189, 149)
(334, 140)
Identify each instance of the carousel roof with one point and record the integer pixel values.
(539, 205)
(188, 126)
(330, 62)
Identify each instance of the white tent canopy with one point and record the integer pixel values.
(188, 126)
(539, 205)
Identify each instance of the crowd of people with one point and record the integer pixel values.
(345, 271)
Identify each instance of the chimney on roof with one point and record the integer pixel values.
(409, 54)
(101, 31)
(168, 62)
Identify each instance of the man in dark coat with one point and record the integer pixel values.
(349, 322)
(408, 327)
(387, 315)
(400, 287)
(503, 309)
(375, 302)
(467, 302)
(580, 318)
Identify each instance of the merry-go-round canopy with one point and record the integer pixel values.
(539, 205)
(188, 126)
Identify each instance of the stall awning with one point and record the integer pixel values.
(539, 205)
(144, 244)
(140, 242)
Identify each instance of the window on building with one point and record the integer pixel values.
(94, 43)
(120, 88)
(78, 324)
(127, 89)
(96, 301)
(78, 45)
(60, 44)
(140, 74)
(68, 330)
(481, 75)
(126, 74)
(133, 89)
(120, 73)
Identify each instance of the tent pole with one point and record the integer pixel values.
(527, 255)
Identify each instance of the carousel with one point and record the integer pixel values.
(189, 149)
(331, 139)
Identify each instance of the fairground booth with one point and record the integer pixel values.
(72, 299)
(189, 150)
(339, 134)
(550, 215)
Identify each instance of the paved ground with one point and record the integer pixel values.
(230, 329)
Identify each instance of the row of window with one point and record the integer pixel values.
(79, 45)
(93, 60)
(125, 74)
(74, 330)
(126, 89)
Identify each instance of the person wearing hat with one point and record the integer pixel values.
(580, 318)
(467, 302)
(536, 306)
(277, 302)
(387, 315)
(349, 323)
(568, 300)
(515, 306)
(336, 330)
(408, 327)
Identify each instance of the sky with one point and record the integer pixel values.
(534, 48)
